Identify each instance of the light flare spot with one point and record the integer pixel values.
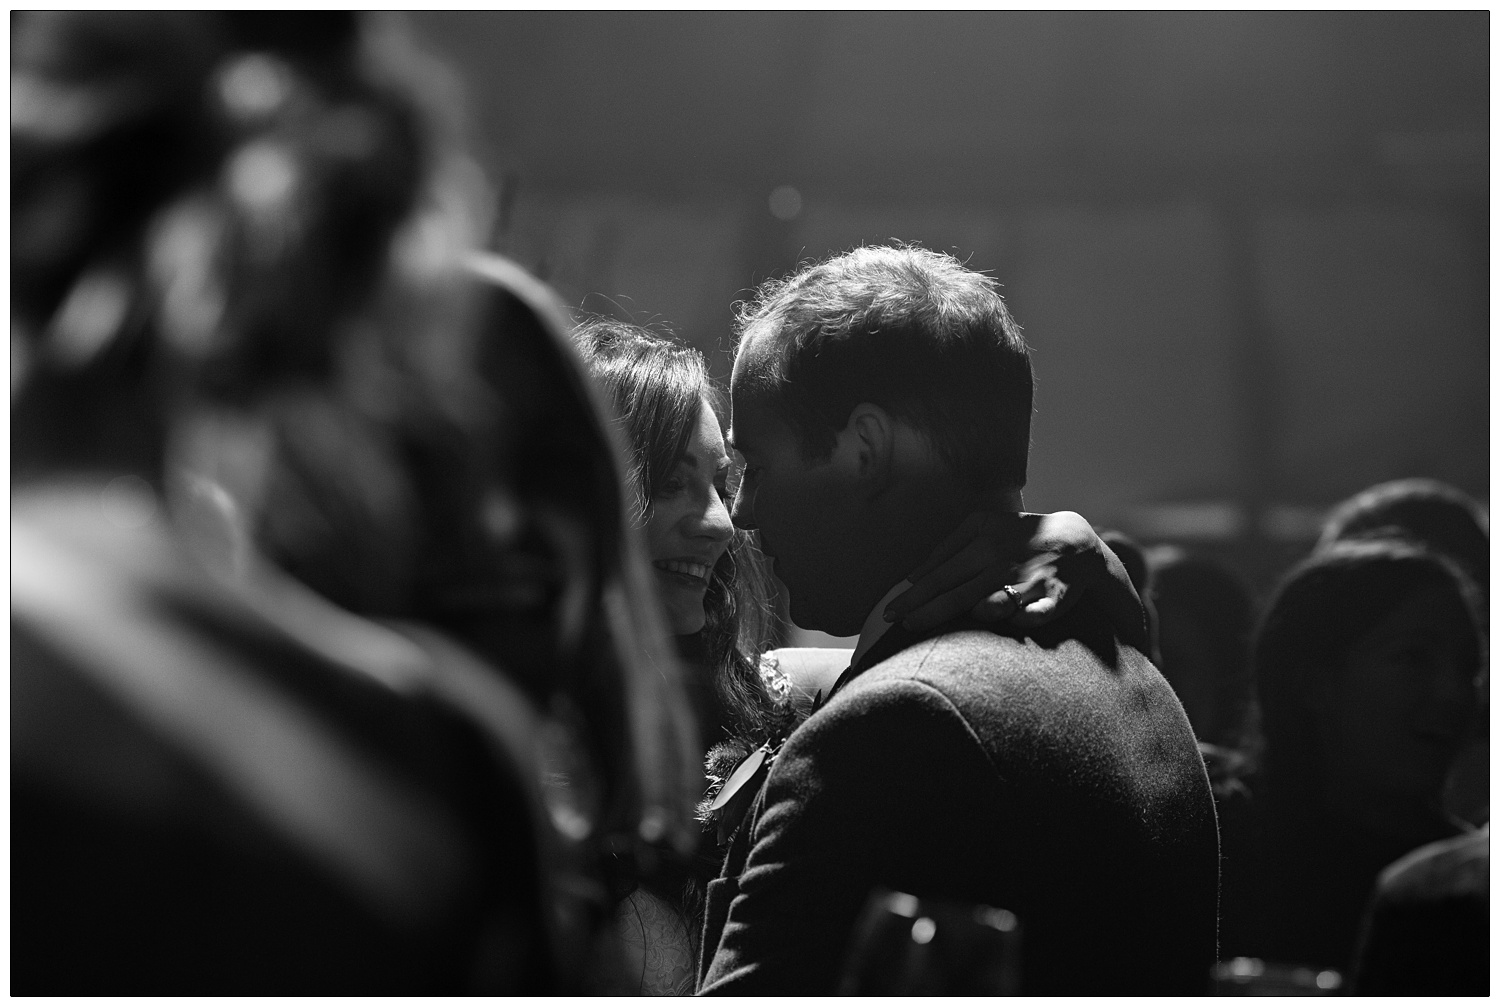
(786, 202)
(262, 177)
(255, 86)
(89, 318)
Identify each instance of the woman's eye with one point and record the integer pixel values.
(670, 487)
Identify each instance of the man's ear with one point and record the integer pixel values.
(867, 445)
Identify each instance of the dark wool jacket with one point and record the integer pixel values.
(1052, 774)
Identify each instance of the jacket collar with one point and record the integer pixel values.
(892, 642)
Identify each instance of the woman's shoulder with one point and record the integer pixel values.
(656, 944)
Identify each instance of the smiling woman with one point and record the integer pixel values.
(709, 581)
(708, 575)
(1365, 668)
(688, 528)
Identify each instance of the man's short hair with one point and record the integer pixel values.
(910, 330)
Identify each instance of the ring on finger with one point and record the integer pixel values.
(1014, 595)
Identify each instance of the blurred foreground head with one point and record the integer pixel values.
(544, 571)
(200, 202)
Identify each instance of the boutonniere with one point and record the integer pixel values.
(726, 809)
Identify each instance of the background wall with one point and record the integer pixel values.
(1250, 250)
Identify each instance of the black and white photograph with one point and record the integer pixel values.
(751, 503)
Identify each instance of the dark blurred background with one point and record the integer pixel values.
(1250, 250)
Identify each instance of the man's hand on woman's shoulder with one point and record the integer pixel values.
(1021, 569)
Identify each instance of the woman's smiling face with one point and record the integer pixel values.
(688, 527)
(1400, 709)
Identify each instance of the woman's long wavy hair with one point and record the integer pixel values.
(658, 388)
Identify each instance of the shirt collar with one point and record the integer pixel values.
(875, 626)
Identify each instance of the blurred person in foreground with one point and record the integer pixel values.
(709, 578)
(258, 429)
(1365, 668)
(879, 398)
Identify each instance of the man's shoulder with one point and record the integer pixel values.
(1079, 650)
(1072, 689)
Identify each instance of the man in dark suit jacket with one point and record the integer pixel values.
(878, 398)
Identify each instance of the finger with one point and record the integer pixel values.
(949, 605)
(1039, 612)
(1045, 598)
(961, 536)
(1038, 583)
(998, 607)
(1010, 601)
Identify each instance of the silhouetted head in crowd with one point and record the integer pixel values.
(1365, 665)
(1205, 617)
(708, 574)
(879, 397)
(1442, 518)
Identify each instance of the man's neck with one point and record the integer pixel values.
(915, 518)
(918, 528)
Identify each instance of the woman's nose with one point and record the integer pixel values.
(714, 522)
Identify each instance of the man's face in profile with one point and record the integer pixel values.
(803, 509)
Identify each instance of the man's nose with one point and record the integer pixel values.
(742, 513)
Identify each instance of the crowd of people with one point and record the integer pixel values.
(379, 626)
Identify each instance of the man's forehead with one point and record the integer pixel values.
(756, 426)
(754, 419)
(751, 356)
